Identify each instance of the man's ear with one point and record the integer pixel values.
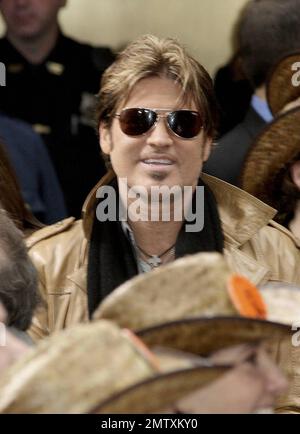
(295, 173)
(206, 149)
(105, 138)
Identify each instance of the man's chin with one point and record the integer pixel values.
(159, 175)
(27, 33)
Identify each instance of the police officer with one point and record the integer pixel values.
(50, 83)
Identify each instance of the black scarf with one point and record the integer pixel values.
(111, 255)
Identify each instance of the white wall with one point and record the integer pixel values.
(204, 26)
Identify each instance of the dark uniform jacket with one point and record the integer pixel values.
(227, 158)
(56, 97)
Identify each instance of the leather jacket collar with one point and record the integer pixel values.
(241, 214)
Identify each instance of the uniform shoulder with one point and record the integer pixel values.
(14, 124)
(22, 132)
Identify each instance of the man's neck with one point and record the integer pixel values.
(260, 104)
(35, 50)
(158, 223)
(155, 237)
(261, 92)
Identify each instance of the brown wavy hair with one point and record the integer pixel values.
(152, 56)
(11, 197)
(283, 194)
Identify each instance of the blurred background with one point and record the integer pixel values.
(204, 26)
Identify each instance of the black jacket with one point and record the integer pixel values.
(227, 158)
(56, 97)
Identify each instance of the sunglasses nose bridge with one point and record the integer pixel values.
(159, 133)
(161, 116)
(164, 118)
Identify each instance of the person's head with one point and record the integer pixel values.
(29, 19)
(153, 73)
(268, 29)
(253, 384)
(18, 277)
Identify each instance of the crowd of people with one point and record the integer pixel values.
(168, 280)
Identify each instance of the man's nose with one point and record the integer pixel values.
(160, 135)
(275, 380)
(277, 383)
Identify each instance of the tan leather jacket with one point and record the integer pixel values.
(255, 246)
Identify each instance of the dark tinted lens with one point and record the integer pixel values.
(136, 121)
(185, 123)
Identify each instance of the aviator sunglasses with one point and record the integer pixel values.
(185, 124)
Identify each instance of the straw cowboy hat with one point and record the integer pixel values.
(79, 369)
(204, 336)
(201, 336)
(75, 370)
(283, 84)
(155, 395)
(200, 285)
(61, 370)
(283, 302)
(197, 285)
(278, 144)
(186, 287)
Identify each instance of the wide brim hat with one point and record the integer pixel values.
(273, 149)
(160, 393)
(283, 302)
(282, 87)
(75, 370)
(197, 285)
(201, 336)
(72, 370)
